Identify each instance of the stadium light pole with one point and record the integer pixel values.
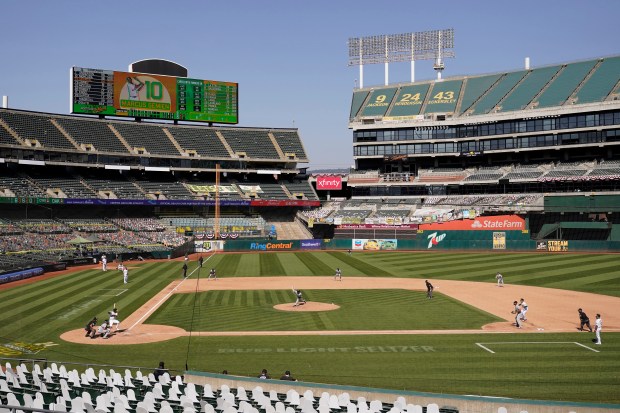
(430, 45)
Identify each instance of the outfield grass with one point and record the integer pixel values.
(40, 312)
(359, 310)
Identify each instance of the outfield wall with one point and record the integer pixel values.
(426, 240)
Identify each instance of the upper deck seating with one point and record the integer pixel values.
(151, 138)
(203, 140)
(565, 84)
(290, 142)
(601, 83)
(476, 87)
(21, 187)
(36, 126)
(72, 188)
(6, 138)
(501, 88)
(122, 189)
(254, 143)
(92, 132)
(171, 190)
(303, 188)
(523, 94)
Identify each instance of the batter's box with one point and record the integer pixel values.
(112, 292)
(486, 346)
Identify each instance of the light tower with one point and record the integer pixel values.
(386, 48)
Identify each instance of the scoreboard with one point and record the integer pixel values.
(142, 95)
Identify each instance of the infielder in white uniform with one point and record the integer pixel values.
(125, 275)
(598, 326)
(104, 263)
(524, 309)
(500, 280)
(338, 275)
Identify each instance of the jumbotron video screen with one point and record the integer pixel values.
(141, 95)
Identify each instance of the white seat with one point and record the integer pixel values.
(172, 395)
(308, 394)
(273, 395)
(432, 408)
(306, 405)
(131, 395)
(241, 394)
(351, 408)
(207, 391)
(77, 405)
(166, 409)
(28, 400)
(333, 402)
(502, 410)
(101, 404)
(376, 406)
(400, 403)
(54, 369)
(344, 399)
(292, 397)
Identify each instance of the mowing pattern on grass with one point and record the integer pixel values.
(39, 312)
(580, 272)
(387, 309)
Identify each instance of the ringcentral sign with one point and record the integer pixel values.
(326, 183)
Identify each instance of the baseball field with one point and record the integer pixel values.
(375, 328)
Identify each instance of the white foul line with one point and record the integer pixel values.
(487, 349)
(589, 348)
(534, 342)
(166, 296)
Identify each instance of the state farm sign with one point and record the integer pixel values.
(325, 183)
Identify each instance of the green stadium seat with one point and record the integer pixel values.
(379, 102)
(409, 100)
(531, 86)
(443, 97)
(497, 93)
(564, 84)
(601, 82)
(476, 87)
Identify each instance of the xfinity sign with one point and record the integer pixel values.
(326, 183)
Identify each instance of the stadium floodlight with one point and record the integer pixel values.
(386, 48)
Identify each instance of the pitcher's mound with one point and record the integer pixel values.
(309, 306)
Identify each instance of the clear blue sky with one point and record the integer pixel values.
(289, 57)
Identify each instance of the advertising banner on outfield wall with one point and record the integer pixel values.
(374, 244)
(310, 244)
(482, 223)
(208, 246)
(499, 240)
